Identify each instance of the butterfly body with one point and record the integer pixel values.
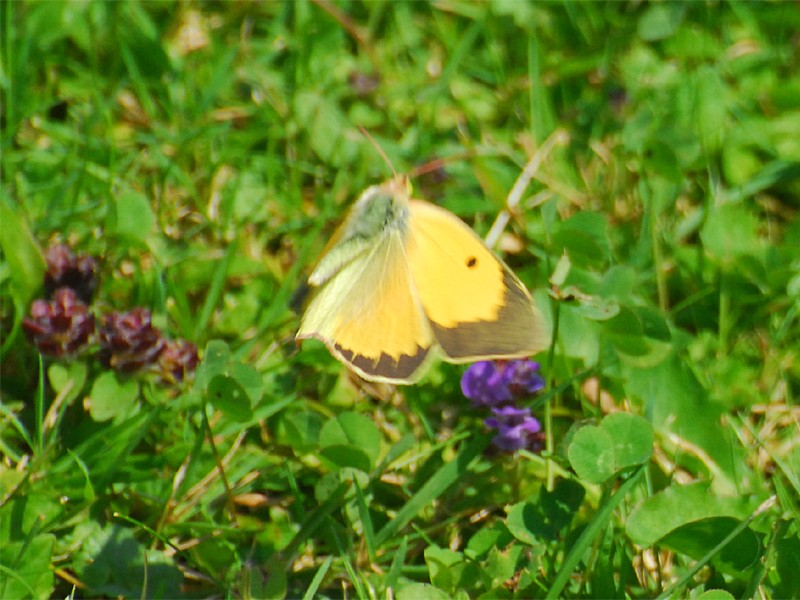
(401, 277)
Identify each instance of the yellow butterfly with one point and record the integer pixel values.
(401, 277)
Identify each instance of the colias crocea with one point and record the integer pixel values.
(403, 277)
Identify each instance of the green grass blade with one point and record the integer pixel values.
(690, 573)
(446, 476)
(586, 539)
(215, 291)
(366, 522)
(319, 576)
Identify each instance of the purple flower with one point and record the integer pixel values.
(483, 384)
(517, 429)
(496, 385)
(489, 383)
(523, 378)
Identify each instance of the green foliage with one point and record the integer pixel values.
(621, 440)
(204, 152)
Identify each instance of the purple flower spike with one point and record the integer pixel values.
(517, 429)
(489, 383)
(483, 384)
(495, 385)
(523, 378)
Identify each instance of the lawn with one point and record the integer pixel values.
(171, 171)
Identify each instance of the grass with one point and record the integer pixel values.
(204, 152)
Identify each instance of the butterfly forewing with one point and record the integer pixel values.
(477, 307)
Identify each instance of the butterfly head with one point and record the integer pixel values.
(381, 207)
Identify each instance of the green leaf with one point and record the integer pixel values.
(447, 475)
(661, 20)
(561, 271)
(787, 565)
(654, 325)
(579, 335)
(111, 398)
(715, 595)
(677, 403)
(249, 379)
(584, 236)
(9, 480)
(775, 174)
(133, 219)
(25, 514)
(597, 524)
(22, 253)
(227, 395)
(115, 563)
(215, 362)
(501, 564)
(560, 505)
(595, 308)
(640, 335)
(710, 108)
(676, 506)
(421, 591)
(352, 429)
(526, 523)
(319, 577)
(327, 126)
(25, 568)
(444, 567)
(275, 586)
(67, 379)
(348, 456)
(233, 387)
(591, 454)
(633, 438)
(546, 515)
(299, 430)
(488, 537)
(731, 231)
(697, 538)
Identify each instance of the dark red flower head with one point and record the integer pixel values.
(128, 341)
(178, 360)
(64, 269)
(60, 327)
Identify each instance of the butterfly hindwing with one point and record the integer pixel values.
(369, 316)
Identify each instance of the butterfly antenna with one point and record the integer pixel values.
(377, 147)
(438, 163)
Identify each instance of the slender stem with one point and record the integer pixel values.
(724, 314)
(658, 260)
(220, 467)
(548, 406)
(38, 433)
